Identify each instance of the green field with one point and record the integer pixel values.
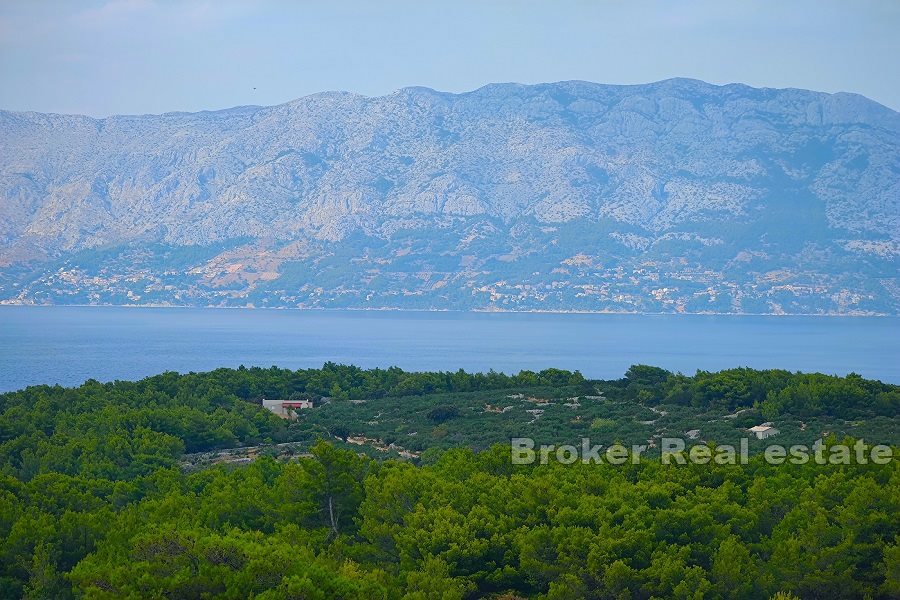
(567, 416)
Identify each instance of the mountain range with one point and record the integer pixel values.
(675, 196)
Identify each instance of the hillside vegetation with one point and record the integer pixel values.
(96, 500)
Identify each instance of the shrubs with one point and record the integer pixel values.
(442, 413)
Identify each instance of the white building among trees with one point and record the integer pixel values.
(766, 430)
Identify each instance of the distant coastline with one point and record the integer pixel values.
(458, 310)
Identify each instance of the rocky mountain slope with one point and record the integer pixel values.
(676, 196)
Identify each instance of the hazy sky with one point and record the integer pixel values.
(136, 56)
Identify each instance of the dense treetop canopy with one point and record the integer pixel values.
(93, 502)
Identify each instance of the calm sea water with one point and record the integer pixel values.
(67, 345)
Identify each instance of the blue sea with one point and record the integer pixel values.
(68, 345)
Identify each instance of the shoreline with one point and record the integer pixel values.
(453, 310)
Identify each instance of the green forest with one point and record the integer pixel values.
(102, 494)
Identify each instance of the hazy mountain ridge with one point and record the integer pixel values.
(672, 196)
